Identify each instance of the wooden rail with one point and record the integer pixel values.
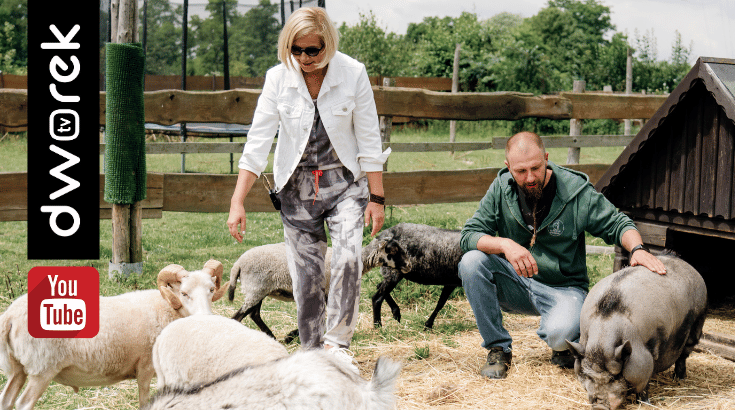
(212, 192)
(237, 106)
(497, 143)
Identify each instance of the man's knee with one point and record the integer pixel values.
(470, 265)
(557, 339)
(559, 330)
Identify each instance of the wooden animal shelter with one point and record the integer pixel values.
(676, 179)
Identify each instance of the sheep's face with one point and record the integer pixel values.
(196, 292)
(391, 254)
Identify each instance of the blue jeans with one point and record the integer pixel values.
(492, 285)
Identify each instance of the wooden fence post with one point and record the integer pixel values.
(575, 127)
(455, 88)
(127, 219)
(628, 123)
(386, 123)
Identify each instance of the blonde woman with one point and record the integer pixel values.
(327, 168)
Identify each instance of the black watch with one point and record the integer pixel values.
(640, 246)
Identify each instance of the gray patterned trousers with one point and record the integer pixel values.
(341, 203)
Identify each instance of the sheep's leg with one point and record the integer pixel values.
(384, 288)
(439, 305)
(37, 384)
(291, 336)
(144, 373)
(394, 309)
(254, 313)
(13, 386)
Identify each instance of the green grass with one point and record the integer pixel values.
(190, 239)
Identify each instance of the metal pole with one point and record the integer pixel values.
(145, 26)
(184, 34)
(225, 46)
(283, 13)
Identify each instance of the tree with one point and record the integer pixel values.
(163, 42)
(571, 34)
(254, 41)
(652, 75)
(13, 36)
(383, 54)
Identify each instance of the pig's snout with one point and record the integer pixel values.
(613, 402)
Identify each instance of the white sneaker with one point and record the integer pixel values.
(345, 356)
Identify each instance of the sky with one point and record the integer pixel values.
(707, 25)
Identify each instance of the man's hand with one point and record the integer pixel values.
(521, 259)
(643, 258)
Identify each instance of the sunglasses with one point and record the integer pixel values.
(310, 51)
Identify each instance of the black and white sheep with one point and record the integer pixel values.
(263, 271)
(307, 379)
(199, 348)
(427, 255)
(128, 326)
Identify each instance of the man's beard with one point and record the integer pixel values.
(533, 195)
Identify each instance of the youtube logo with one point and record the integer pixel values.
(63, 302)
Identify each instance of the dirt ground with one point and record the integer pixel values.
(448, 378)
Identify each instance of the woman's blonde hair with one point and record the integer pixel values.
(304, 21)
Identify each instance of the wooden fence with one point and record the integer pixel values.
(211, 192)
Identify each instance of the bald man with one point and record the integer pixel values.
(525, 250)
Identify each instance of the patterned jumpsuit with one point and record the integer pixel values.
(322, 190)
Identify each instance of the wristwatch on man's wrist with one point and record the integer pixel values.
(637, 247)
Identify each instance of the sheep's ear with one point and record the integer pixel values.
(384, 241)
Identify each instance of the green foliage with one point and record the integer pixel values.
(254, 41)
(654, 76)
(382, 53)
(13, 36)
(163, 38)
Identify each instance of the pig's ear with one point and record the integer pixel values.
(576, 349)
(638, 367)
(622, 353)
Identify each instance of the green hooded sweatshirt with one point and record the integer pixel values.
(559, 250)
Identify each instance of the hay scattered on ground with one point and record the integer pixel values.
(448, 378)
(441, 371)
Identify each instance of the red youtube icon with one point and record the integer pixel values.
(63, 301)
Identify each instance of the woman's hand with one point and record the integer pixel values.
(237, 221)
(374, 213)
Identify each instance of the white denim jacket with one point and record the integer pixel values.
(347, 109)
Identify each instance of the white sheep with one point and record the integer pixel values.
(198, 349)
(307, 379)
(128, 326)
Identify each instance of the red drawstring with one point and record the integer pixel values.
(317, 174)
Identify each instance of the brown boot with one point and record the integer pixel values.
(563, 359)
(498, 363)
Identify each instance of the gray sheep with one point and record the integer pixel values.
(427, 255)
